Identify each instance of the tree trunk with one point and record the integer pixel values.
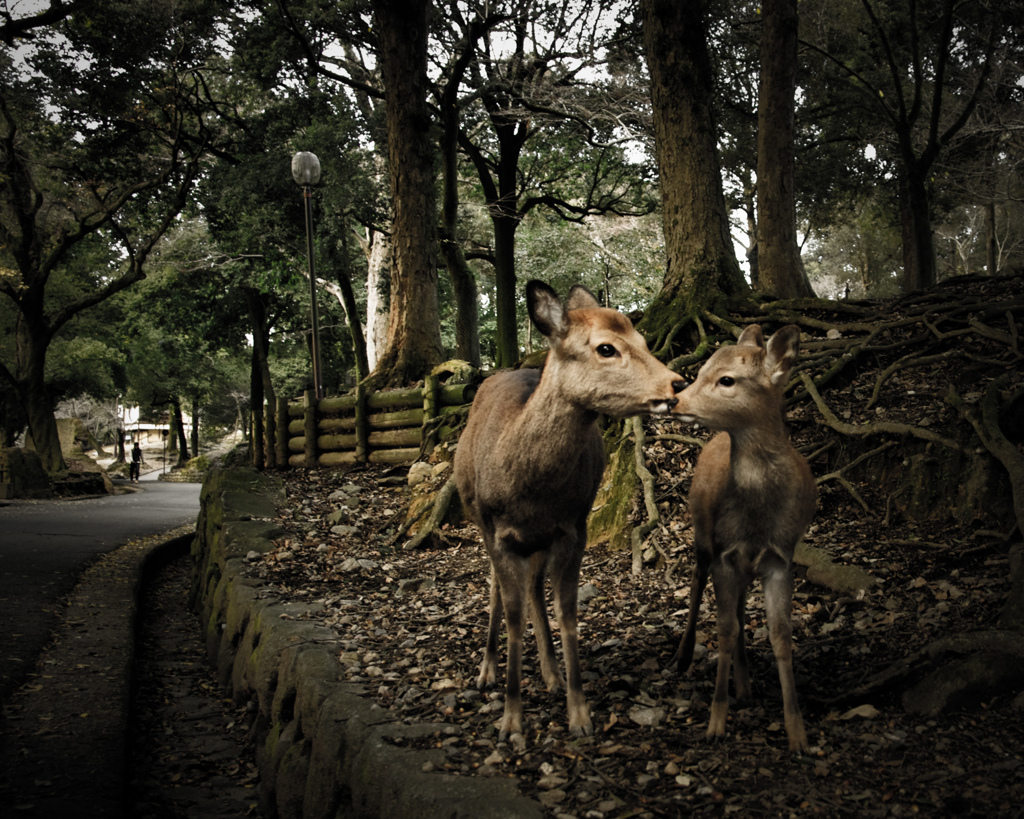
(918, 251)
(255, 426)
(780, 269)
(261, 363)
(702, 264)
(31, 342)
(378, 282)
(467, 308)
(195, 426)
(347, 297)
(506, 337)
(414, 335)
(179, 424)
(991, 265)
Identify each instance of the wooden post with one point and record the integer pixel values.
(430, 407)
(362, 426)
(309, 424)
(282, 433)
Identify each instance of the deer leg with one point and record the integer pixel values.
(541, 627)
(489, 666)
(565, 580)
(510, 572)
(778, 594)
(698, 580)
(727, 590)
(741, 672)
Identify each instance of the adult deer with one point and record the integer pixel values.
(528, 466)
(751, 499)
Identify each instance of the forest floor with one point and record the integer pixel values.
(411, 626)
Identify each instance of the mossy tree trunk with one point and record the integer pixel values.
(702, 266)
(414, 330)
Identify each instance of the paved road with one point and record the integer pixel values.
(45, 545)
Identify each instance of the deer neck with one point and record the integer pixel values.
(548, 431)
(757, 454)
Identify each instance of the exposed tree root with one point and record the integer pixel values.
(647, 481)
(438, 511)
(964, 667)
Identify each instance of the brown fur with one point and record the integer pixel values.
(751, 500)
(528, 467)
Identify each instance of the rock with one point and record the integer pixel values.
(354, 564)
(419, 472)
(344, 530)
(414, 584)
(343, 515)
(587, 592)
(648, 717)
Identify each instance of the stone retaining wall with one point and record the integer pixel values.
(320, 743)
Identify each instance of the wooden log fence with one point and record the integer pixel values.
(392, 427)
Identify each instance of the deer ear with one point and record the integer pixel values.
(580, 298)
(546, 310)
(783, 347)
(751, 337)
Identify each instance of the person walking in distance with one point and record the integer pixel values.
(136, 464)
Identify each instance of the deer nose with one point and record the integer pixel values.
(671, 403)
(679, 386)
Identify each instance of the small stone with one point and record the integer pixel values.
(587, 592)
(342, 515)
(496, 758)
(552, 798)
(414, 584)
(648, 717)
(419, 472)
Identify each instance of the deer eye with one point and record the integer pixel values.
(606, 350)
(726, 381)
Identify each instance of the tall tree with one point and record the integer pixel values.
(539, 136)
(780, 268)
(96, 143)
(701, 261)
(414, 339)
(915, 74)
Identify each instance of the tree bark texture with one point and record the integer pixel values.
(261, 365)
(918, 246)
(379, 262)
(32, 339)
(414, 336)
(702, 264)
(780, 268)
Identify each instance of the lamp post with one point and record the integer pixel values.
(306, 173)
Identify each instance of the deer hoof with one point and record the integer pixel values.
(798, 744)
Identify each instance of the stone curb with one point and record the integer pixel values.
(321, 746)
(87, 722)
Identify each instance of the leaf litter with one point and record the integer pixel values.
(411, 626)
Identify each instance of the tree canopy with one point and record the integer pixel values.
(542, 134)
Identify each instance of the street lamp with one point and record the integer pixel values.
(306, 172)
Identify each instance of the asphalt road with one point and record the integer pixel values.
(45, 546)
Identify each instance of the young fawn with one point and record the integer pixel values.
(751, 499)
(528, 466)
